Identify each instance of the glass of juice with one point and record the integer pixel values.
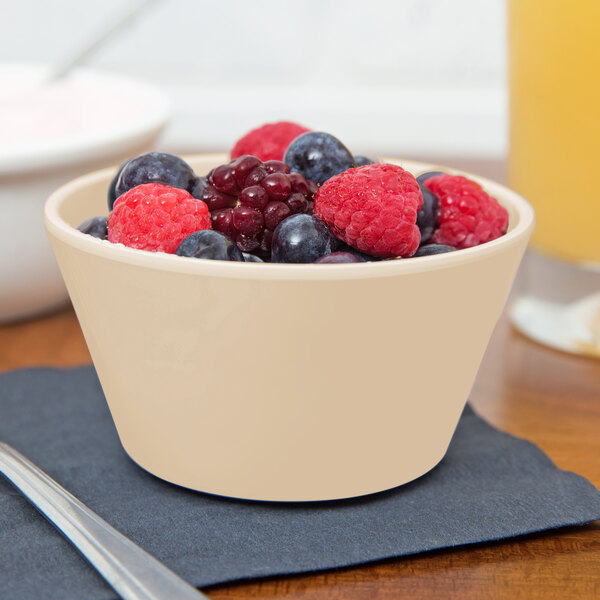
(554, 162)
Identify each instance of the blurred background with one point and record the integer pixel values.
(409, 77)
(421, 79)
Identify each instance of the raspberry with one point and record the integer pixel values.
(468, 215)
(373, 209)
(156, 217)
(248, 198)
(268, 142)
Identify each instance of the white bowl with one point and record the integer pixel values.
(48, 136)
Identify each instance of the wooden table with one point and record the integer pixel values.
(550, 398)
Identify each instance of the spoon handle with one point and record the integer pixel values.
(132, 572)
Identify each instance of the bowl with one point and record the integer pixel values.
(283, 382)
(50, 134)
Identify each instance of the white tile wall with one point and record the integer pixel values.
(403, 76)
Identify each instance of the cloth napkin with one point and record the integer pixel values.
(489, 486)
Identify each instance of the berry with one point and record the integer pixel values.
(112, 187)
(301, 239)
(362, 161)
(373, 209)
(468, 215)
(209, 244)
(431, 249)
(156, 167)
(427, 218)
(248, 198)
(338, 258)
(318, 156)
(269, 141)
(156, 217)
(96, 227)
(423, 177)
(198, 187)
(251, 257)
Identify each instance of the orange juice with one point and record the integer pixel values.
(554, 67)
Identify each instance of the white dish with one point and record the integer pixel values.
(48, 135)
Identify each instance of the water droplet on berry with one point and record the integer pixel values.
(242, 166)
(247, 221)
(254, 196)
(275, 166)
(277, 185)
(255, 176)
(275, 212)
(223, 179)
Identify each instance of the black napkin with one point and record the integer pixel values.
(489, 486)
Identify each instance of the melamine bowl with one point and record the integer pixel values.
(283, 382)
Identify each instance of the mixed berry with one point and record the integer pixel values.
(248, 198)
(291, 195)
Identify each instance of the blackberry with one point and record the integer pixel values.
(431, 249)
(318, 156)
(96, 227)
(209, 244)
(156, 167)
(302, 239)
(248, 198)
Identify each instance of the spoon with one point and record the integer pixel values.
(131, 571)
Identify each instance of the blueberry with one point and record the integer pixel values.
(433, 249)
(423, 177)
(199, 186)
(318, 156)
(427, 217)
(96, 227)
(301, 239)
(343, 247)
(156, 167)
(112, 187)
(251, 257)
(338, 258)
(209, 244)
(362, 161)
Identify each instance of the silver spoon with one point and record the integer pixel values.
(132, 572)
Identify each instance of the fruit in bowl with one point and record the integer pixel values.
(376, 210)
(281, 381)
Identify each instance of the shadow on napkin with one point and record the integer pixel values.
(489, 486)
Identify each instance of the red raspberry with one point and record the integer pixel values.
(156, 217)
(468, 215)
(373, 209)
(268, 142)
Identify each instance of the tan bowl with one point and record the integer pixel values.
(283, 382)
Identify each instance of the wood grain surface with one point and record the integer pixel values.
(548, 397)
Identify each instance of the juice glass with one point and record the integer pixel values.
(554, 79)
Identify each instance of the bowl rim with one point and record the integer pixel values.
(519, 234)
(78, 147)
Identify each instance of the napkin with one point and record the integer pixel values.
(489, 486)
